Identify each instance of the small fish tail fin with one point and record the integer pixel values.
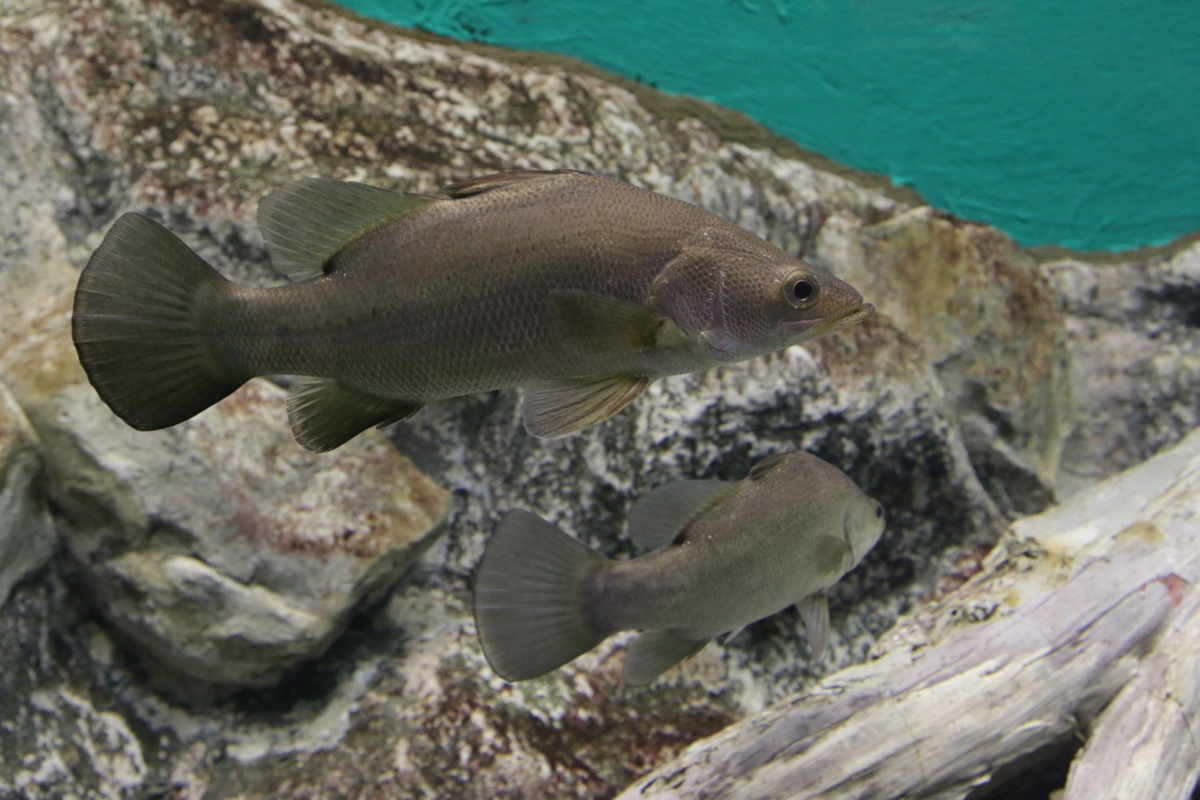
(137, 330)
(529, 609)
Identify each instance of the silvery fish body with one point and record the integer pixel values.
(580, 288)
(726, 554)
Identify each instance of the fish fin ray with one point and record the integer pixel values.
(654, 652)
(487, 183)
(137, 331)
(562, 406)
(814, 610)
(762, 467)
(594, 323)
(659, 516)
(324, 414)
(733, 634)
(529, 610)
(306, 222)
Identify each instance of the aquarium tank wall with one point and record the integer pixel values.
(1057, 123)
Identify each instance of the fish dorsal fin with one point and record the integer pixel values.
(595, 323)
(304, 223)
(764, 466)
(814, 610)
(658, 517)
(487, 183)
(558, 407)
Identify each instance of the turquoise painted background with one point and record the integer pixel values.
(1059, 122)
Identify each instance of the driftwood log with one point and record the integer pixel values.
(1081, 625)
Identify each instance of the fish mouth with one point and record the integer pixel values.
(851, 316)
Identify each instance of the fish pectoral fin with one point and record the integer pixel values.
(659, 516)
(654, 652)
(324, 414)
(562, 406)
(487, 183)
(595, 324)
(306, 222)
(814, 610)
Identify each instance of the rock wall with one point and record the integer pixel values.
(192, 623)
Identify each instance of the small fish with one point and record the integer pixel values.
(725, 554)
(580, 288)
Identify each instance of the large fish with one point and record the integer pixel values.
(726, 554)
(580, 288)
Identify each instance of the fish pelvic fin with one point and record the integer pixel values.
(306, 222)
(814, 610)
(559, 407)
(529, 605)
(659, 517)
(137, 326)
(654, 652)
(324, 414)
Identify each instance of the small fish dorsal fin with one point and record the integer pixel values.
(762, 467)
(656, 518)
(501, 179)
(304, 223)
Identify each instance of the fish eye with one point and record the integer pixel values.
(879, 511)
(800, 289)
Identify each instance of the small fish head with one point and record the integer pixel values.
(865, 523)
(739, 299)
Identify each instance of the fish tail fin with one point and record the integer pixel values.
(137, 328)
(529, 609)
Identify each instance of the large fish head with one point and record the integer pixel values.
(739, 301)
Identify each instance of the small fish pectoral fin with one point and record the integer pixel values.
(831, 555)
(654, 652)
(324, 414)
(487, 183)
(306, 222)
(814, 610)
(559, 407)
(659, 516)
(596, 324)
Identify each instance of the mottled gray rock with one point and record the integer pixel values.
(989, 321)
(26, 533)
(1134, 327)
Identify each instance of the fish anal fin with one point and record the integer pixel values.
(558, 407)
(306, 222)
(595, 324)
(654, 652)
(324, 414)
(814, 610)
(659, 516)
(487, 183)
